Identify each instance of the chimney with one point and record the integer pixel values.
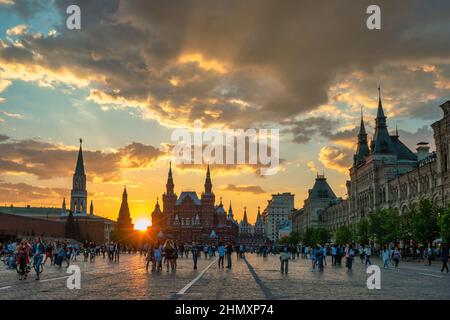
(423, 150)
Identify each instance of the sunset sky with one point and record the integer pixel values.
(137, 70)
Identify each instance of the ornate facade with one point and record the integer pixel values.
(187, 218)
(387, 174)
(252, 235)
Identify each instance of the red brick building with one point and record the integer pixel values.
(189, 218)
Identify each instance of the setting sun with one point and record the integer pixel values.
(141, 224)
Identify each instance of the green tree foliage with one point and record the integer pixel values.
(295, 237)
(385, 226)
(309, 237)
(424, 222)
(343, 235)
(363, 231)
(321, 235)
(444, 226)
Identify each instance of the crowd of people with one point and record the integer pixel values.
(389, 256)
(25, 255)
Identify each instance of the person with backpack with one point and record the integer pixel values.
(284, 259)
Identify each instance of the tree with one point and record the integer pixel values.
(285, 240)
(343, 235)
(321, 235)
(363, 230)
(405, 222)
(444, 226)
(309, 237)
(295, 237)
(424, 225)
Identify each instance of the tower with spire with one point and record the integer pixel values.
(382, 143)
(78, 195)
(157, 217)
(208, 200)
(259, 224)
(362, 150)
(169, 199)
(386, 159)
(124, 223)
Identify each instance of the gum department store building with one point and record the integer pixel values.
(384, 174)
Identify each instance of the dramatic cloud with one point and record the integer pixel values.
(237, 63)
(22, 192)
(46, 160)
(243, 189)
(339, 159)
(17, 30)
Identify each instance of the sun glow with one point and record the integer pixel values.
(141, 224)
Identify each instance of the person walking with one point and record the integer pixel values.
(48, 253)
(195, 252)
(23, 256)
(333, 255)
(284, 259)
(349, 254)
(229, 252)
(368, 254)
(444, 259)
(397, 257)
(221, 252)
(319, 257)
(157, 256)
(38, 250)
(149, 258)
(429, 255)
(386, 257)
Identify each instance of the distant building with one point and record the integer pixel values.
(279, 210)
(319, 198)
(386, 174)
(252, 235)
(187, 218)
(91, 227)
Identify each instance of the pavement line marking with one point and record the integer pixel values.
(190, 284)
(52, 279)
(431, 275)
(267, 292)
(4, 288)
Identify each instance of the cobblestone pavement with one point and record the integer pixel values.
(251, 278)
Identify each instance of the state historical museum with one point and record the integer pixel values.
(187, 218)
